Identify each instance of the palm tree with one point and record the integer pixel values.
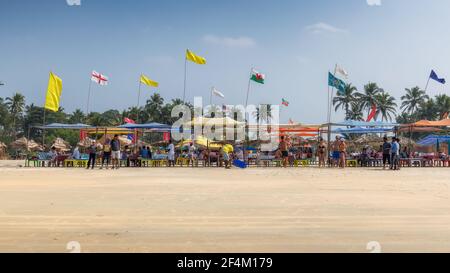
(356, 111)
(153, 107)
(237, 113)
(212, 111)
(4, 114)
(386, 106)
(77, 117)
(345, 99)
(427, 110)
(369, 98)
(442, 105)
(112, 117)
(263, 113)
(413, 99)
(16, 106)
(136, 114)
(96, 119)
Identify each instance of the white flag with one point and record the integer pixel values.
(341, 71)
(99, 78)
(218, 93)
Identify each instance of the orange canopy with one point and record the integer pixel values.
(427, 123)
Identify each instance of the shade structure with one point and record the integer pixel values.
(147, 126)
(61, 145)
(108, 130)
(78, 126)
(227, 122)
(428, 123)
(433, 140)
(419, 130)
(362, 130)
(355, 123)
(203, 142)
(25, 144)
(124, 140)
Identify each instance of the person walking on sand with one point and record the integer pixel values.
(386, 152)
(171, 154)
(322, 152)
(342, 153)
(335, 156)
(284, 149)
(115, 152)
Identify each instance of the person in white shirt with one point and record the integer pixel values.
(76, 154)
(191, 154)
(171, 154)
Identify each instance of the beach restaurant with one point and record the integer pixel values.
(304, 137)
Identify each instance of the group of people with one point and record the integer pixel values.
(391, 153)
(338, 155)
(110, 154)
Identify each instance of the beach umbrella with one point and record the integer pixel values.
(85, 142)
(228, 148)
(25, 144)
(61, 145)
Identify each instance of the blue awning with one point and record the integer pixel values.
(77, 126)
(354, 123)
(361, 130)
(148, 126)
(433, 140)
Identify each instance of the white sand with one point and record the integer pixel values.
(213, 210)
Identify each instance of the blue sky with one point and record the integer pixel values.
(293, 42)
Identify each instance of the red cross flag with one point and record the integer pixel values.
(99, 78)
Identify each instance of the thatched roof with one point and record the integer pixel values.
(25, 144)
(61, 144)
(369, 139)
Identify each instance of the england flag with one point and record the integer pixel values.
(99, 78)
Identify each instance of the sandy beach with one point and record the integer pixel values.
(213, 210)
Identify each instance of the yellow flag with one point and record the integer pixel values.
(145, 80)
(190, 56)
(54, 92)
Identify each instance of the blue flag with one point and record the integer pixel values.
(435, 77)
(336, 83)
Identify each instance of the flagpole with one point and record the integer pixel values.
(248, 89)
(43, 131)
(185, 80)
(139, 93)
(89, 97)
(246, 119)
(330, 99)
(211, 95)
(426, 86)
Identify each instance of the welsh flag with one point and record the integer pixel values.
(258, 77)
